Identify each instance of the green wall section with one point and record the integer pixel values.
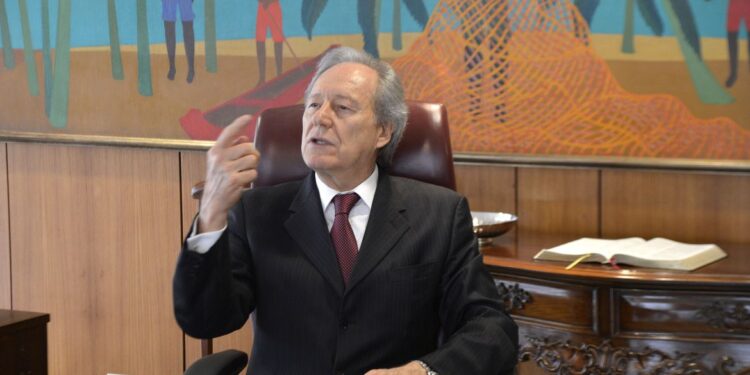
(211, 60)
(61, 84)
(46, 58)
(28, 50)
(114, 41)
(144, 54)
(709, 89)
(8, 58)
(628, 46)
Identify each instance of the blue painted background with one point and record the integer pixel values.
(236, 19)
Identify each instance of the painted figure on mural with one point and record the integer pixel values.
(169, 15)
(738, 11)
(269, 17)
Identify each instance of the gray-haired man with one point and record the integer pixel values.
(395, 287)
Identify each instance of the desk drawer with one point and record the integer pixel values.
(548, 302)
(681, 313)
(24, 351)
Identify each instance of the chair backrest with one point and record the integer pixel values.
(424, 152)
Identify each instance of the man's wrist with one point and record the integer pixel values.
(426, 368)
(210, 222)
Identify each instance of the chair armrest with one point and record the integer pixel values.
(197, 190)
(228, 362)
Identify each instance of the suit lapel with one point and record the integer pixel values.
(385, 227)
(306, 224)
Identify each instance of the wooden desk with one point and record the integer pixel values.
(593, 318)
(23, 342)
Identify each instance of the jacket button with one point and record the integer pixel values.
(344, 325)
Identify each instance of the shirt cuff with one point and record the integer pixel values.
(203, 242)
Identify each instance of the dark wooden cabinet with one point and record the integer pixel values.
(23, 343)
(596, 319)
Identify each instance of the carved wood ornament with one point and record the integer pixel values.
(513, 297)
(565, 358)
(726, 316)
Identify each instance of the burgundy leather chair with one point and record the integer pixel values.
(424, 154)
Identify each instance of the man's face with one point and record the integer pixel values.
(340, 135)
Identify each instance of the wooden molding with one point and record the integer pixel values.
(103, 140)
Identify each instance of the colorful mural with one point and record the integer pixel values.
(525, 79)
(653, 78)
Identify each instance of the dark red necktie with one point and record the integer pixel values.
(342, 235)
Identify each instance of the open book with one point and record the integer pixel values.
(654, 253)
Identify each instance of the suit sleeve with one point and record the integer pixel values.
(214, 293)
(478, 336)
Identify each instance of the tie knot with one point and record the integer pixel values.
(344, 202)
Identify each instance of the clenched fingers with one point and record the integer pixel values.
(246, 162)
(239, 151)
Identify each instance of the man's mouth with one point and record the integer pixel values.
(320, 142)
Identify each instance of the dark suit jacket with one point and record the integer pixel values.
(419, 289)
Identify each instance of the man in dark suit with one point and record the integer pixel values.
(387, 280)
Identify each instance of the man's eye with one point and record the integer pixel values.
(313, 105)
(343, 108)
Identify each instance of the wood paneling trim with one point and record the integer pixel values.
(193, 169)
(559, 200)
(5, 286)
(600, 162)
(693, 207)
(104, 140)
(94, 235)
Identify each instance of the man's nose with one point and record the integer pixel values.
(323, 116)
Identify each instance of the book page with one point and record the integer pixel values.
(655, 253)
(606, 248)
(664, 249)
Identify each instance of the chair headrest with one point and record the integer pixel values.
(424, 152)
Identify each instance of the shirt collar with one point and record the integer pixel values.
(365, 190)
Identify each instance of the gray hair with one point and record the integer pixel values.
(390, 107)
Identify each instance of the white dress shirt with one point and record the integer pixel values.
(360, 213)
(358, 216)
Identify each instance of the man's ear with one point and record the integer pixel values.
(384, 135)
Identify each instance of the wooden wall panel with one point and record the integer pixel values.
(94, 231)
(94, 234)
(194, 170)
(693, 207)
(488, 187)
(5, 287)
(558, 200)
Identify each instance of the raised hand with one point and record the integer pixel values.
(230, 168)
